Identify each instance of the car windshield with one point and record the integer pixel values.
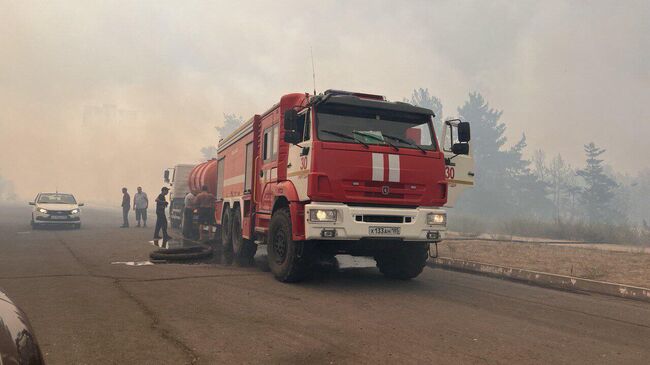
(374, 126)
(57, 199)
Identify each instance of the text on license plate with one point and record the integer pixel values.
(59, 217)
(384, 231)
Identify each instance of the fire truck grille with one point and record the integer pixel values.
(381, 218)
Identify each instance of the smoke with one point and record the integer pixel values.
(7, 190)
(563, 72)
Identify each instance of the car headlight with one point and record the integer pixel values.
(439, 219)
(74, 211)
(322, 215)
(42, 210)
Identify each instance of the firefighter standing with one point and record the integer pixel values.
(126, 207)
(161, 218)
(188, 214)
(205, 203)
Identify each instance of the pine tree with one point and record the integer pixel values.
(599, 188)
(526, 189)
(505, 186)
(421, 97)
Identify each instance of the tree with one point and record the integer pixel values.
(421, 97)
(209, 152)
(640, 191)
(597, 195)
(539, 164)
(527, 190)
(230, 123)
(505, 186)
(559, 173)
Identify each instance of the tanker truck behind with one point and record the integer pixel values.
(176, 178)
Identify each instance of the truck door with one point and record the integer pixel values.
(268, 161)
(459, 169)
(299, 158)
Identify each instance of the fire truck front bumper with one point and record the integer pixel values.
(336, 221)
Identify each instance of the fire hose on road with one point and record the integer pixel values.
(194, 252)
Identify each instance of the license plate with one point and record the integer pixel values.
(384, 231)
(59, 217)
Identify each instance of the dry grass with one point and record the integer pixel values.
(612, 233)
(632, 268)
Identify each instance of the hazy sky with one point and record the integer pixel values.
(565, 73)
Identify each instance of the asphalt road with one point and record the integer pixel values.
(86, 310)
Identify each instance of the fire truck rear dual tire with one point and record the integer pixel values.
(243, 250)
(403, 262)
(235, 247)
(290, 261)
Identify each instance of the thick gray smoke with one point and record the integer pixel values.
(96, 96)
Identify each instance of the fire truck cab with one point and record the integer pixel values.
(334, 173)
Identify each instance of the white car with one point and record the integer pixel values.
(56, 209)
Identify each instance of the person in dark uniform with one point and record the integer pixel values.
(205, 202)
(126, 207)
(161, 218)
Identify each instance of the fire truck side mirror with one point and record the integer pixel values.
(463, 132)
(460, 149)
(166, 176)
(290, 126)
(290, 120)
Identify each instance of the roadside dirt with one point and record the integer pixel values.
(632, 268)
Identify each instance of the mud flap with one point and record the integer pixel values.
(435, 255)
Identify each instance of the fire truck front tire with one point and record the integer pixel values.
(290, 261)
(404, 262)
(226, 236)
(243, 250)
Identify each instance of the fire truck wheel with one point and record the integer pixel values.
(243, 250)
(226, 236)
(289, 261)
(404, 262)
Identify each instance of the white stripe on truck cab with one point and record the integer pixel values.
(377, 167)
(393, 168)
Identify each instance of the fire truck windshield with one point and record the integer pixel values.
(374, 127)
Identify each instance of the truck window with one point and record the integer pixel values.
(450, 138)
(220, 169)
(249, 167)
(307, 133)
(276, 138)
(303, 125)
(271, 138)
(374, 126)
(265, 153)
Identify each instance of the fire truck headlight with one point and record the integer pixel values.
(322, 215)
(439, 219)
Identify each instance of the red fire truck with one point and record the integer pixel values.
(335, 173)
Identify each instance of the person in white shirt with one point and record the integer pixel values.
(188, 214)
(140, 205)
